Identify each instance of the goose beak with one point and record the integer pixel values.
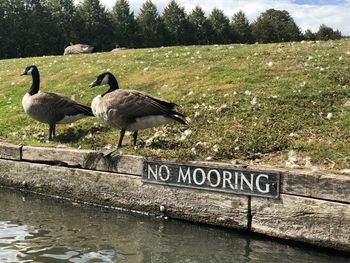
(93, 84)
(23, 73)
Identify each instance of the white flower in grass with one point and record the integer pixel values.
(270, 64)
(248, 92)
(196, 114)
(149, 141)
(225, 95)
(221, 108)
(348, 53)
(253, 101)
(340, 58)
(216, 148)
(203, 145)
(209, 158)
(322, 69)
(234, 93)
(187, 132)
(329, 115)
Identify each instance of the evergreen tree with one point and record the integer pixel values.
(94, 25)
(12, 14)
(200, 26)
(276, 26)
(176, 24)
(241, 28)
(150, 26)
(309, 35)
(327, 33)
(124, 24)
(220, 25)
(63, 13)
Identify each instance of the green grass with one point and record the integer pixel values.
(252, 103)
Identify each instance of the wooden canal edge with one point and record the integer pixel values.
(311, 207)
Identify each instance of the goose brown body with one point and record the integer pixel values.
(51, 108)
(131, 110)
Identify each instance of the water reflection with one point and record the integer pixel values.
(34, 229)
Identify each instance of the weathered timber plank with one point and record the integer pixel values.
(85, 159)
(335, 187)
(127, 192)
(71, 157)
(319, 222)
(10, 151)
(127, 164)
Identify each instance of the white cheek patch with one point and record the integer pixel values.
(105, 80)
(29, 72)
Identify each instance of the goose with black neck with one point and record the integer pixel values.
(51, 108)
(130, 110)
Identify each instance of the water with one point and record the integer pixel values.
(37, 229)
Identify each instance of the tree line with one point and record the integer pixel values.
(45, 27)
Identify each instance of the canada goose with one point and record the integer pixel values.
(50, 108)
(78, 49)
(130, 110)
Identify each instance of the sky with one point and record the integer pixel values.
(308, 14)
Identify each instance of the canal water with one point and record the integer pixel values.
(38, 229)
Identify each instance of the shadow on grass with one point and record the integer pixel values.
(72, 135)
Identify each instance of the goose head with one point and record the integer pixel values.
(29, 70)
(106, 78)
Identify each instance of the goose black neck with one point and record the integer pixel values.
(36, 82)
(113, 84)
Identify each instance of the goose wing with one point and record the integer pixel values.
(56, 104)
(123, 107)
(133, 104)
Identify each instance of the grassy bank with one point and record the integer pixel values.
(245, 102)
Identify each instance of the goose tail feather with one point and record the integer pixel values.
(179, 118)
(86, 110)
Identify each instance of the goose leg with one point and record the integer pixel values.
(121, 137)
(54, 131)
(51, 131)
(110, 151)
(135, 137)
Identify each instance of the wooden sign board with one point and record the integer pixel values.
(213, 178)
